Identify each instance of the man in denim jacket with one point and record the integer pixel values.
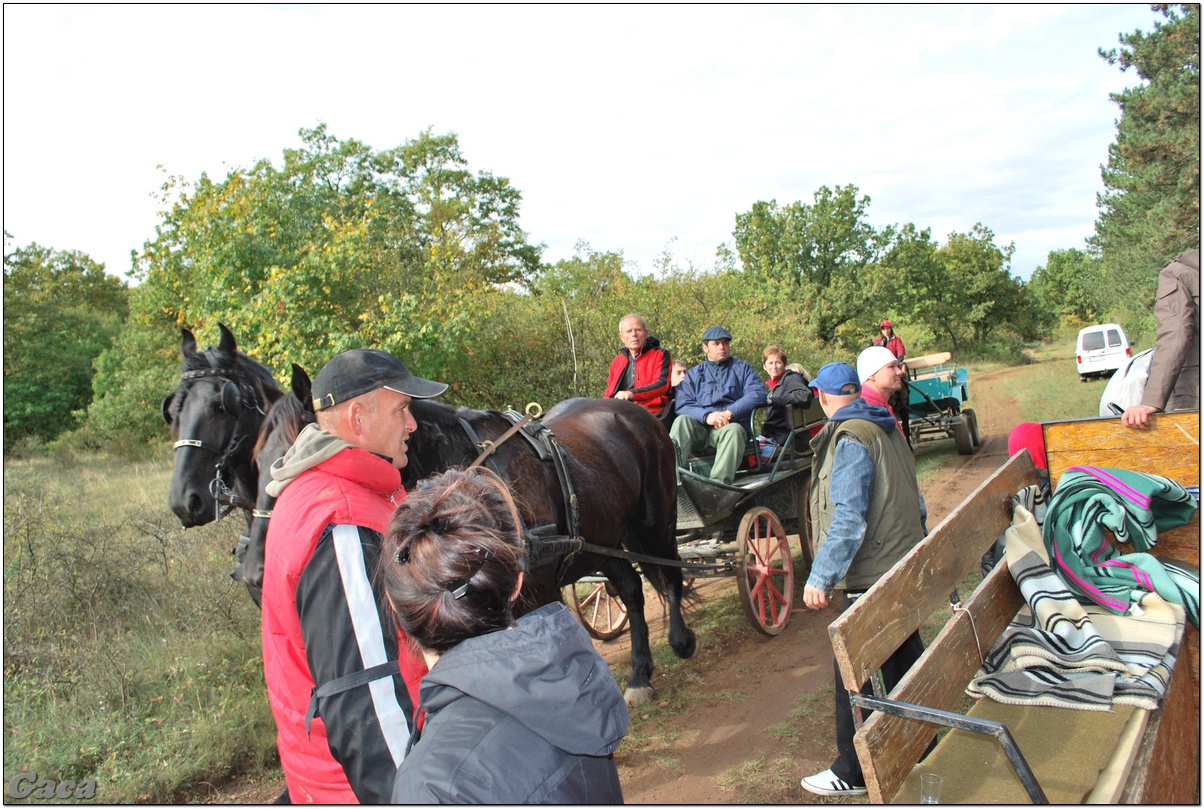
(867, 512)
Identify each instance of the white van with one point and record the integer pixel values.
(1100, 350)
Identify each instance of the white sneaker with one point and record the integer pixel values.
(826, 783)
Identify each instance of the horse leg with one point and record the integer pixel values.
(631, 592)
(682, 639)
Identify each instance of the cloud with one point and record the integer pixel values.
(632, 127)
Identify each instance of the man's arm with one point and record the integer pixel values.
(753, 392)
(851, 491)
(367, 727)
(1176, 312)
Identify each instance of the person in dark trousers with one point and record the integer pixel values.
(516, 712)
(341, 682)
(677, 372)
(1174, 380)
(867, 513)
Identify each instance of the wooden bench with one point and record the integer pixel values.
(1137, 756)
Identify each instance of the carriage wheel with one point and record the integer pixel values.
(972, 417)
(598, 607)
(765, 571)
(961, 436)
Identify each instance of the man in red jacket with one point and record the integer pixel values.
(640, 371)
(342, 680)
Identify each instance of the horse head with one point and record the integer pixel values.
(215, 415)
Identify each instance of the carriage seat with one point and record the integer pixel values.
(796, 446)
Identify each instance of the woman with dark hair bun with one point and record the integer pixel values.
(519, 711)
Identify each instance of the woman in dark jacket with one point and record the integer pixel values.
(786, 387)
(516, 711)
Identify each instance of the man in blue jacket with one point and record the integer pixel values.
(867, 513)
(715, 403)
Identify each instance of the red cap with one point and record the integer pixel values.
(885, 325)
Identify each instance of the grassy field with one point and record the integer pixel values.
(132, 658)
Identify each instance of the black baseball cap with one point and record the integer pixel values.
(363, 370)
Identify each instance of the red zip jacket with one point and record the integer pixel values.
(322, 620)
(651, 386)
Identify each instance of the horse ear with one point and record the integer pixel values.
(227, 343)
(187, 343)
(302, 387)
(166, 409)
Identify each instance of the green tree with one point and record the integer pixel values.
(1070, 285)
(60, 312)
(817, 253)
(1150, 208)
(339, 246)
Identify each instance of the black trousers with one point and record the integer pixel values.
(847, 767)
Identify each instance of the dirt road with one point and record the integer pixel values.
(761, 708)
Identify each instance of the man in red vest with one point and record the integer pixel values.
(640, 371)
(342, 680)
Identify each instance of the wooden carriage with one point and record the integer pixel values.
(1127, 755)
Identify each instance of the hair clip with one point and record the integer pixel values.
(402, 556)
(484, 553)
(460, 588)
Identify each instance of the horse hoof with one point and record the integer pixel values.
(634, 697)
(686, 650)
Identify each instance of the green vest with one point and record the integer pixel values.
(893, 521)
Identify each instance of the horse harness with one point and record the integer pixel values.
(543, 542)
(233, 395)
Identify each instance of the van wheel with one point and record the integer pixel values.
(1082, 378)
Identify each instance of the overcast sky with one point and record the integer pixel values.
(635, 128)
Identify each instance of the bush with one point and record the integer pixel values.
(130, 656)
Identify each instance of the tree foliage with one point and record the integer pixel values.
(1070, 286)
(340, 246)
(60, 312)
(1150, 208)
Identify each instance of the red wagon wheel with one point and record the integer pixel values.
(599, 608)
(766, 571)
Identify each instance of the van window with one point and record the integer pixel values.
(1093, 340)
(1113, 338)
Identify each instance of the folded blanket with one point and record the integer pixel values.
(1091, 500)
(1060, 653)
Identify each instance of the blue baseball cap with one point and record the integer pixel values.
(716, 333)
(837, 379)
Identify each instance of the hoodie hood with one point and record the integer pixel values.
(861, 409)
(543, 672)
(313, 446)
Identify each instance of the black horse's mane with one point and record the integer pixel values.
(290, 416)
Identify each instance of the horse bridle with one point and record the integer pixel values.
(232, 398)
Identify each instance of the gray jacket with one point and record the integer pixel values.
(530, 714)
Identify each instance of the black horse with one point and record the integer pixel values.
(215, 415)
(621, 464)
(285, 420)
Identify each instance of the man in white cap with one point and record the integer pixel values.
(882, 378)
(715, 403)
(866, 513)
(342, 681)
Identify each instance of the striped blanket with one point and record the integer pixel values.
(1134, 507)
(1061, 653)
